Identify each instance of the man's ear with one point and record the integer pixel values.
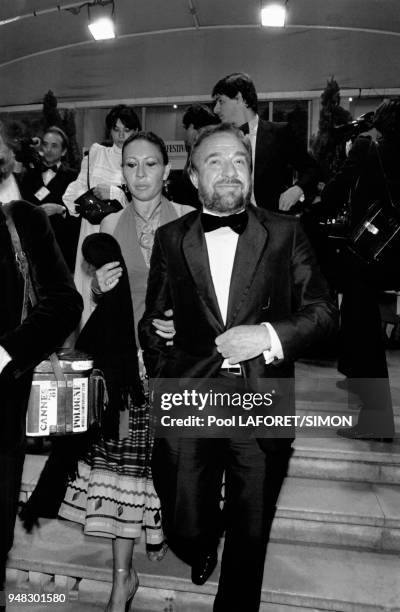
(194, 178)
(239, 99)
(166, 172)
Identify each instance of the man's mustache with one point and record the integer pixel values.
(228, 181)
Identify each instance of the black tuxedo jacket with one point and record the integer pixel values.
(278, 151)
(275, 279)
(48, 324)
(65, 228)
(32, 181)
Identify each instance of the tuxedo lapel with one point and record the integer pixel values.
(196, 254)
(250, 248)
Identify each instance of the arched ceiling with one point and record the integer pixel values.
(176, 49)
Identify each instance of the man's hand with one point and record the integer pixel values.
(243, 342)
(4, 358)
(108, 276)
(289, 197)
(165, 327)
(102, 191)
(54, 209)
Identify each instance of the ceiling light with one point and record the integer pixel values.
(102, 28)
(175, 106)
(273, 14)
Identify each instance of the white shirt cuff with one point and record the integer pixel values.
(4, 358)
(275, 351)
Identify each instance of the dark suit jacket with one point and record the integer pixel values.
(275, 279)
(48, 324)
(65, 228)
(278, 151)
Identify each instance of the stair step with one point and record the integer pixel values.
(341, 514)
(309, 577)
(336, 458)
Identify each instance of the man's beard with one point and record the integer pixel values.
(227, 202)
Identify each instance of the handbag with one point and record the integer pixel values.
(373, 238)
(67, 395)
(92, 208)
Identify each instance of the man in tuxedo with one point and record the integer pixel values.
(247, 298)
(45, 185)
(276, 150)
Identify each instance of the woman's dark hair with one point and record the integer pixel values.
(237, 82)
(387, 118)
(126, 115)
(150, 137)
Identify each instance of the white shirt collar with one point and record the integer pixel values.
(253, 124)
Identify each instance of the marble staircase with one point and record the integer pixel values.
(334, 546)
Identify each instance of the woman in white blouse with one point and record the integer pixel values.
(105, 176)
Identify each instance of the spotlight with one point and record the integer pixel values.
(273, 14)
(175, 106)
(102, 28)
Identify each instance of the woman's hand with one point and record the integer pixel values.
(108, 276)
(54, 209)
(165, 327)
(102, 191)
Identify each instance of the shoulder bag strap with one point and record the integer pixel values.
(88, 177)
(22, 262)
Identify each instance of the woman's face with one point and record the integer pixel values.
(144, 170)
(119, 133)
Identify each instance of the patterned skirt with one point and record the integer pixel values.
(113, 494)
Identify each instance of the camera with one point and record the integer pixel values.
(26, 151)
(351, 130)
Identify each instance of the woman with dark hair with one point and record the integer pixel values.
(114, 496)
(102, 170)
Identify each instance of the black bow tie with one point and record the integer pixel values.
(236, 222)
(245, 128)
(44, 168)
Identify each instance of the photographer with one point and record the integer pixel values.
(369, 174)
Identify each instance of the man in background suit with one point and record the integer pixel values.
(45, 185)
(247, 297)
(276, 150)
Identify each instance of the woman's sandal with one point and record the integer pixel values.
(156, 552)
(132, 590)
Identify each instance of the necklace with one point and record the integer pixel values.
(147, 228)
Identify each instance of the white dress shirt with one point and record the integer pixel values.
(253, 127)
(49, 174)
(221, 247)
(9, 190)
